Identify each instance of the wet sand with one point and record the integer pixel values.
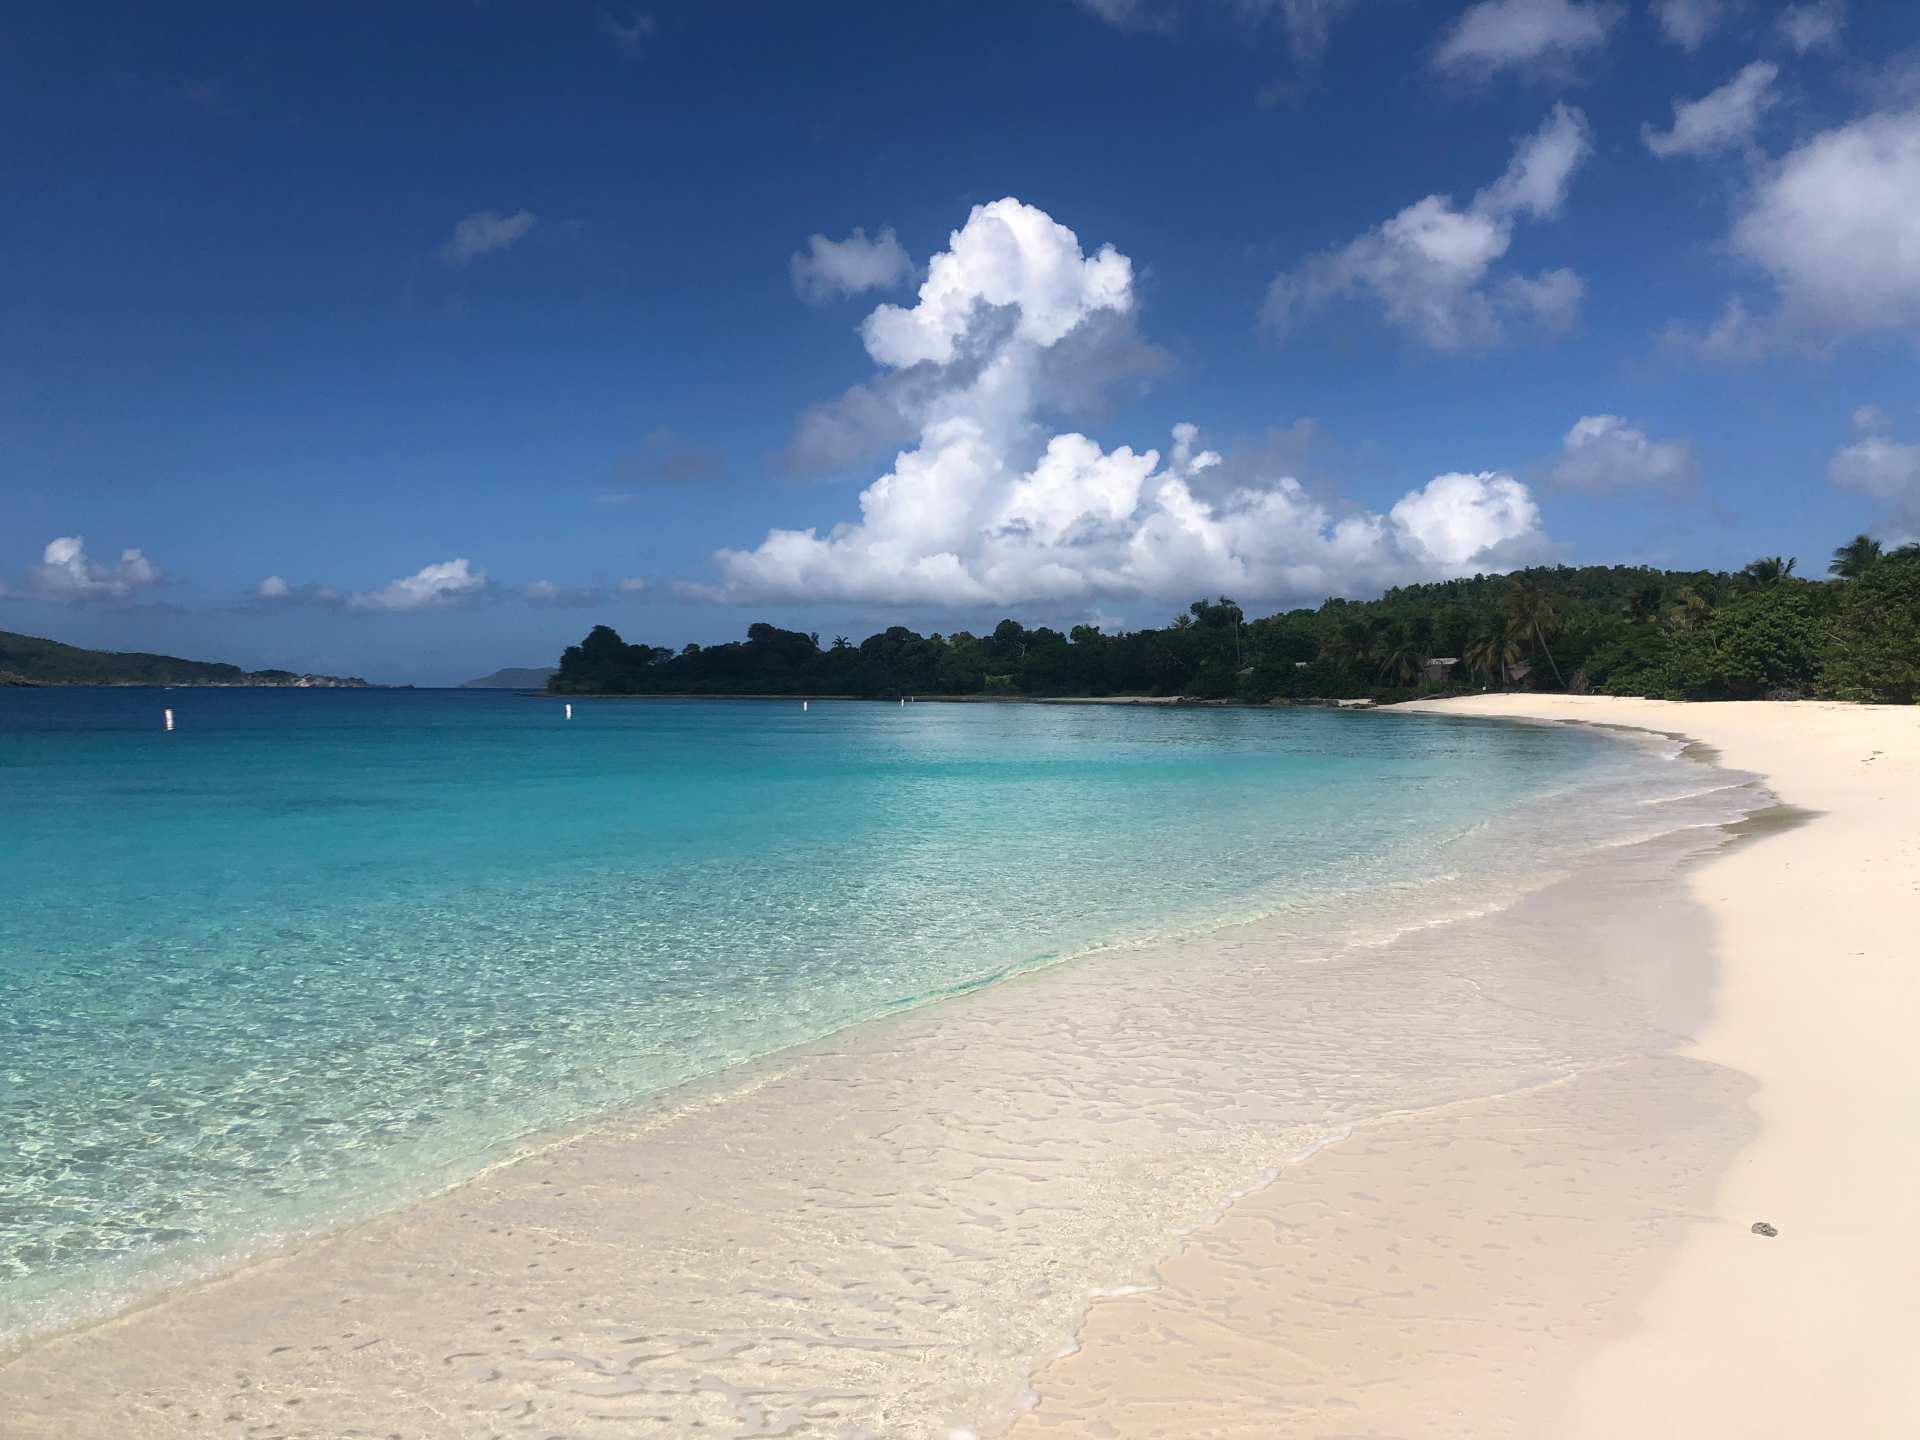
(1418, 1172)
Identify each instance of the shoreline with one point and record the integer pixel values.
(1049, 1129)
(1292, 1281)
(1818, 999)
(1167, 701)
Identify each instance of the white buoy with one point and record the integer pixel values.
(803, 704)
(169, 719)
(903, 701)
(569, 712)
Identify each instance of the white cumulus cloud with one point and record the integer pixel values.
(1011, 308)
(431, 587)
(1431, 268)
(1007, 255)
(986, 506)
(1604, 453)
(1835, 227)
(486, 232)
(831, 268)
(1519, 34)
(67, 572)
(1877, 465)
(1720, 119)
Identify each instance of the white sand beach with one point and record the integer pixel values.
(1818, 934)
(1488, 1174)
(1817, 1000)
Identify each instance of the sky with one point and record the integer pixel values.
(410, 341)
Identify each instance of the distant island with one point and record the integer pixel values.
(1761, 632)
(523, 677)
(30, 660)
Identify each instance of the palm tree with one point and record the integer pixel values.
(1494, 654)
(1643, 605)
(1400, 658)
(1768, 570)
(1532, 611)
(1349, 643)
(1905, 553)
(1855, 558)
(1687, 608)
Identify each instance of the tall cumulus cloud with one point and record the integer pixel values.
(987, 505)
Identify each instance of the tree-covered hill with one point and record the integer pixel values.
(29, 660)
(1765, 631)
(512, 677)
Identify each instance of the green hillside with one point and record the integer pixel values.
(30, 660)
(512, 677)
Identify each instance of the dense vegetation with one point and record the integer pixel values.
(1621, 630)
(28, 660)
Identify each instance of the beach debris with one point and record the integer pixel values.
(1761, 1227)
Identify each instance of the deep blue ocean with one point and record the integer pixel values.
(318, 950)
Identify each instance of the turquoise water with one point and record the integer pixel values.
(316, 950)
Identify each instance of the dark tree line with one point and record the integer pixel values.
(1763, 631)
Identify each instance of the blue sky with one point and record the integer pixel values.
(411, 341)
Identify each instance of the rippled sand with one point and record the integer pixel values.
(1464, 1141)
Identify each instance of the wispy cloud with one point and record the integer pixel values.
(665, 460)
(629, 36)
(1687, 23)
(1813, 26)
(1720, 119)
(1432, 267)
(210, 97)
(486, 232)
(1498, 35)
(828, 269)
(1307, 24)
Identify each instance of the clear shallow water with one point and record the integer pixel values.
(318, 950)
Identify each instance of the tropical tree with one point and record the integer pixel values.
(1688, 609)
(1400, 658)
(1856, 557)
(1642, 607)
(1493, 654)
(1350, 643)
(1533, 613)
(1768, 570)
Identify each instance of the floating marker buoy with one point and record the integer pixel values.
(903, 700)
(168, 715)
(569, 712)
(803, 704)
